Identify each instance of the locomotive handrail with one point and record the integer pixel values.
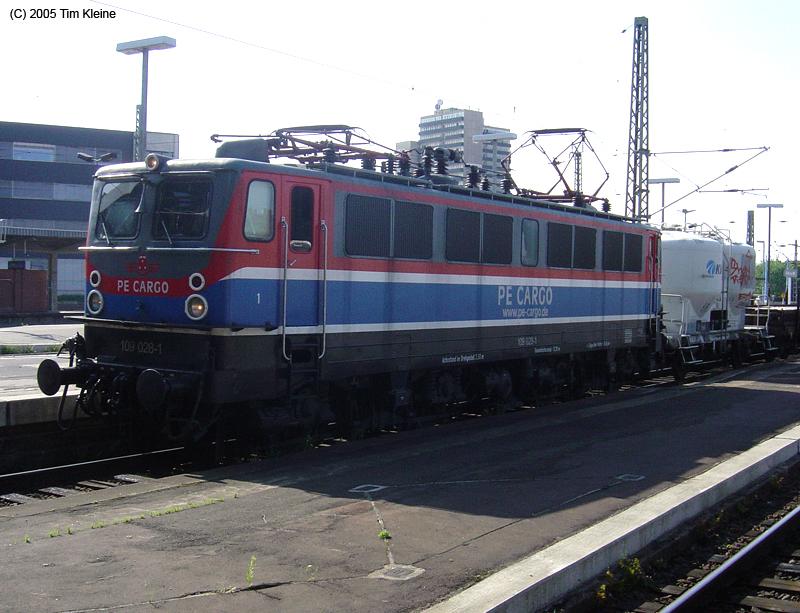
(324, 228)
(204, 249)
(285, 230)
(108, 248)
(164, 249)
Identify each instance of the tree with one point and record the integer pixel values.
(777, 277)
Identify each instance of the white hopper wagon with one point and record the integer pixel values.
(707, 282)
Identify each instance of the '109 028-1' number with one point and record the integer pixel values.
(144, 347)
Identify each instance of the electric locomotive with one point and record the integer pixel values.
(316, 291)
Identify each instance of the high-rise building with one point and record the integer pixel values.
(454, 129)
(45, 191)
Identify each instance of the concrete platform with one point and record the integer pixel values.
(26, 409)
(36, 338)
(541, 579)
(515, 508)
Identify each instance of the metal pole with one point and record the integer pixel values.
(769, 240)
(794, 284)
(796, 297)
(663, 185)
(143, 112)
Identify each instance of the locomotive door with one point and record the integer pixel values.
(653, 272)
(304, 246)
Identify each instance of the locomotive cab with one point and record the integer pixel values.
(183, 283)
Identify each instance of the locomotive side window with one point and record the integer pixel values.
(612, 250)
(584, 252)
(302, 226)
(497, 239)
(463, 238)
(633, 252)
(413, 230)
(530, 242)
(259, 217)
(182, 209)
(116, 215)
(559, 245)
(367, 226)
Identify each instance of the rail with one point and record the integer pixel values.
(719, 579)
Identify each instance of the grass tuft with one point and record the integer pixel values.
(251, 570)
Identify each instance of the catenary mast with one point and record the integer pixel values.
(636, 206)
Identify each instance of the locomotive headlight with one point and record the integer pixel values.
(196, 307)
(197, 281)
(94, 278)
(152, 161)
(94, 302)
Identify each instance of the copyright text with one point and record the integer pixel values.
(21, 14)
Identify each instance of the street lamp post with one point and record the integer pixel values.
(493, 137)
(764, 266)
(663, 182)
(144, 47)
(791, 275)
(769, 206)
(685, 213)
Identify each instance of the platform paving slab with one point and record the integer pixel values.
(36, 337)
(459, 502)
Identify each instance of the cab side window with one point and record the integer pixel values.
(302, 225)
(259, 217)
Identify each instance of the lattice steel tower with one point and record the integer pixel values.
(636, 206)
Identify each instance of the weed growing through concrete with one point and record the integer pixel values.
(131, 518)
(251, 570)
(384, 535)
(177, 508)
(27, 538)
(54, 532)
(127, 520)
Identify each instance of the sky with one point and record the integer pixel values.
(722, 75)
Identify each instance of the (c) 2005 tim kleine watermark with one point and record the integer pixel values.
(22, 14)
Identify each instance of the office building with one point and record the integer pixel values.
(454, 129)
(45, 191)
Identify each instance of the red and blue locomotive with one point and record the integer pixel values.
(296, 291)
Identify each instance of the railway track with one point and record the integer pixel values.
(751, 578)
(69, 479)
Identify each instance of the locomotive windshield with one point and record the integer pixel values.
(180, 212)
(182, 209)
(117, 215)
